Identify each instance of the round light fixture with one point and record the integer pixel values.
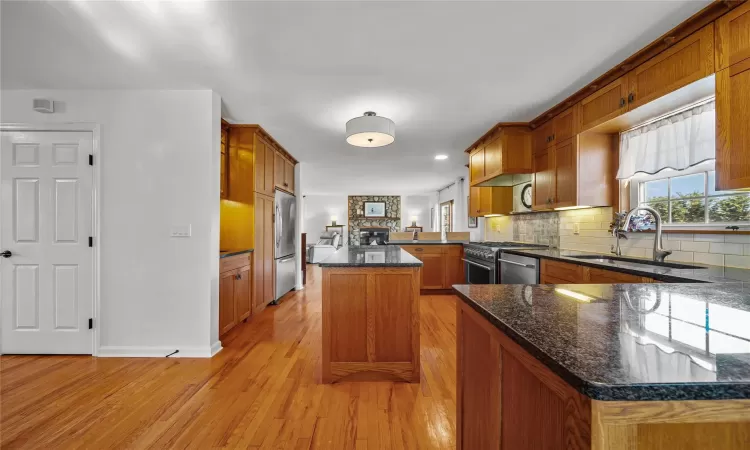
(441, 157)
(370, 130)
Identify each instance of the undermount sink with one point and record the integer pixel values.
(616, 259)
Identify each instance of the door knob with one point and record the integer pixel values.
(6, 254)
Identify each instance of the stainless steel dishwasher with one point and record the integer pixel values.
(517, 269)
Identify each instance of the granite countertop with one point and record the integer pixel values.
(707, 274)
(228, 253)
(629, 341)
(371, 256)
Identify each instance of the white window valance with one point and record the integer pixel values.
(676, 142)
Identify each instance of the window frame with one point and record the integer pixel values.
(638, 188)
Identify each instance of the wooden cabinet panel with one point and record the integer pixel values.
(604, 104)
(687, 61)
(566, 168)
(235, 262)
(240, 185)
(476, 165)
(544, 179)
(260, 164)
(516, 150)
(611, 277)
(570, 273)
(289, 176)
(279, 168)
(564, 125)
(389, 318)
(224, 190)
(269, 175)
(433, 271)
(475, 207)
(454, 266)
(493, 159)
(733, 127)
(263, 276)
(347, 305)
(733, 37)
(542, 136)
(242, 294)
(227, 319)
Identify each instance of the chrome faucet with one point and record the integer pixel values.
(618, 233)
(659, 252)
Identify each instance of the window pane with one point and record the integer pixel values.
(656, 190)
(688, 186)
(689, 211)
(712, 185)
(662, 208)
(730, 208)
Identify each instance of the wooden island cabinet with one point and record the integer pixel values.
(443, 265)
(370, 316)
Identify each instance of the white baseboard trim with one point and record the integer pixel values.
(216, 348)
(156, 352)
(299, 287)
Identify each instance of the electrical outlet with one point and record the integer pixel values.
(577, 229)
(180, 231)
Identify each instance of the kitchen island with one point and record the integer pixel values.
(370, 319)
(620, 366)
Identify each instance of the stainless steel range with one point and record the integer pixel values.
(482, 260)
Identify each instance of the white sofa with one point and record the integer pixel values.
(327, 245)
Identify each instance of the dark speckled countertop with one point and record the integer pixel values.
(630, 341)
(228, 253)
(371, 256)
(707, 274)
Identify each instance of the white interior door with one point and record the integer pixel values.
(46, 283)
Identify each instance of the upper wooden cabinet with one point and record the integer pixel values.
(604, 104)
(733, 37)
(566, 171)
(503, 150)
(264, 166)
(224, 190)
(283, 173)
(484, 201)
(241, 165)
(542, 136)
(733, 127)
(685, 62)
(563, 126)
(543, 189)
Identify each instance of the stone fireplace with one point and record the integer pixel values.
(358, 221)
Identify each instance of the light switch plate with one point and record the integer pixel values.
(180, 231)
(577, 229)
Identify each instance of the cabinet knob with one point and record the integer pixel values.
(622, 102)
(238, 277)
(631, 97)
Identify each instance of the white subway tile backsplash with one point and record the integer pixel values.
(747, 249)
(737, 238)
(737, 261)
(712, 259)
(634, 252)
(673, 245)
(681, 256)
(679, 236)
(692, 246)
(727, 249)
(709, 237)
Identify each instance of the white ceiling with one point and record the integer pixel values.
(445, 72)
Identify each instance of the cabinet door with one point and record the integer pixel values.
(604, 104)
(279, 170)
(454, 267)
(242, 293)
(224, 160)
(260, 164)
(476, 165)
(240, 188)
(564, 125)
(687, 61)
(227, 318)
(433, 271)
(733, 37)
(289, 176)
(611, 277)
(268, 237)
(733, 127)
(475, 207)
(269, 170)
(493, 160)
(543, 136)
(544, 180)
(263, 254)
(566, 169)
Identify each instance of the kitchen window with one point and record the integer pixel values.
(692, 199)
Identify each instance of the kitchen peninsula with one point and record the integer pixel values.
(603, 366)
(370, 318)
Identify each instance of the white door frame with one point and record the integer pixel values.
(92, 128)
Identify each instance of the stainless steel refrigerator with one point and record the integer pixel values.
(285, 243)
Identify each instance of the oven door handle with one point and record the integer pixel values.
(475, 264)
(528, 266)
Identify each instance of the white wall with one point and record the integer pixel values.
(159, 168)
(459, 193)
(318, 210)
(416, 205)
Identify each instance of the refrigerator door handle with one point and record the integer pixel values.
(279, 226)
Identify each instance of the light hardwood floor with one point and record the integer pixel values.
(262, 391)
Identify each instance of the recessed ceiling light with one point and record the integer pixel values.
(441, 157)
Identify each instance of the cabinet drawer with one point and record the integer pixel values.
(424, 249)
(454, 250)
(565, 272)
(608, 276)
(547, 279)
(234, 262)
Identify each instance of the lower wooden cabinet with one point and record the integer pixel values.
(235, 291)
(557, 272)
(263, 273)
(442, 265)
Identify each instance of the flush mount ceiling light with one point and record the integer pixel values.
(441, 157)
(370, 130)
